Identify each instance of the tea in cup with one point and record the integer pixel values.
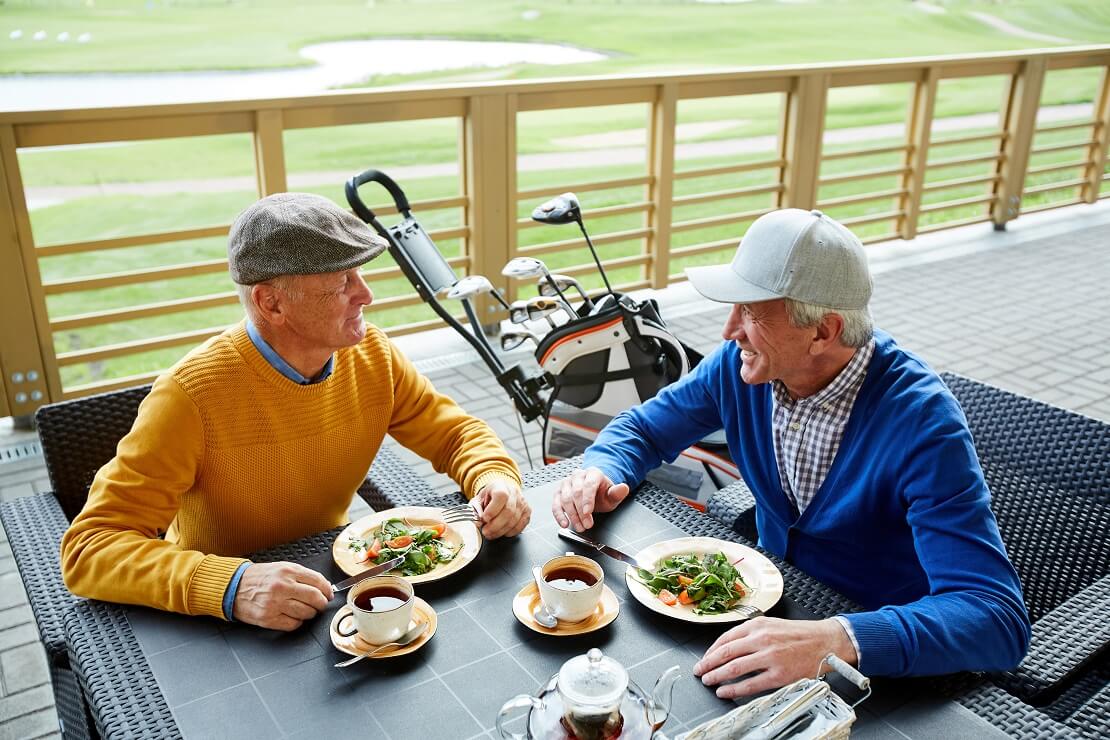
(570, 586)
(381, 609)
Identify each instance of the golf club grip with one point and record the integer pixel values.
(361, 209)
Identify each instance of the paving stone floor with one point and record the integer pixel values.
(1027, 310)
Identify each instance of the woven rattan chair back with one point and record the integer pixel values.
(1048, 471)
(78, 437)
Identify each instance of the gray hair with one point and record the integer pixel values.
(285, 283)
(858, 325)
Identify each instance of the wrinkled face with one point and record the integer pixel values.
(771, 347)
(325, 310)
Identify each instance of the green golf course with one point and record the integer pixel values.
(88, 192)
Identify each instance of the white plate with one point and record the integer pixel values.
(759, 573)
(464, 535)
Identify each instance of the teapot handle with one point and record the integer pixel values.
(521, 701)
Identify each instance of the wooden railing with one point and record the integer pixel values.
(654, 221)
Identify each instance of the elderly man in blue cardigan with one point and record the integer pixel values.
(860, 460)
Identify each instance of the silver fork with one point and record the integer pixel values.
(460, 513)
(747, 611)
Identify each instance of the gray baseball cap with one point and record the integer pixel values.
(297, 234)
(802, 255)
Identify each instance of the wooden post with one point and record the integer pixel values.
(1019, 125)
(269, 152)
(489, 153)
(800, 133)
(661, 191)
(1096, 162)
(27, 361)
(918, 128)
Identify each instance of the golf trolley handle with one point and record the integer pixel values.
(361, 209)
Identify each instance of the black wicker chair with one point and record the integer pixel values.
(1048, 471)
(78, 437)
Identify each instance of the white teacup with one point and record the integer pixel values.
(565, 586)
(381, 608)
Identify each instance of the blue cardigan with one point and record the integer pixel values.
(902, 523)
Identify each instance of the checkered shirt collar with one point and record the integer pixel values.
(848, 378)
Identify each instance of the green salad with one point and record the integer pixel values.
(710, 582)
(422, 546)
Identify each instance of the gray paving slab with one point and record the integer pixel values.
(1023, 310)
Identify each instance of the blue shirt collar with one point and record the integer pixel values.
(281, 365)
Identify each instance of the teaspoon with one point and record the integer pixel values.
(543, 616)
(411, 635)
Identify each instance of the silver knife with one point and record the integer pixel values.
(612, 552)
(369, 573)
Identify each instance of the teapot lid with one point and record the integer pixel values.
(593, 679)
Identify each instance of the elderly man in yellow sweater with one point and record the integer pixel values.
(262, 435)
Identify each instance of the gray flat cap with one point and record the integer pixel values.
(297, 234)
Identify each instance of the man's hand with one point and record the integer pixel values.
(502, 510)
(582, 493)
(776, 651)
(280, 596)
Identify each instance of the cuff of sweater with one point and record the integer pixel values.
(489, 476)
(880, 648)
(209, 584)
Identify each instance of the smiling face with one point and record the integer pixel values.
(325, 311)
(771, 347)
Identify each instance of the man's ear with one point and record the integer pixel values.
(268, 302)
(827, 333)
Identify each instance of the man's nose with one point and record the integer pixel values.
(733, 328)
(365, 296)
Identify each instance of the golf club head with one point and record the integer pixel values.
(562, 282)
(541, 307)
(518, 311)
(562, 209)
(524, 267)
(470, 286)
(513, 339)
(544, 306)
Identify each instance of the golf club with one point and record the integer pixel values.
(563, 281)
(513, 339)
(564, 209)
(522, 268)
(474, 285)
(532, 309)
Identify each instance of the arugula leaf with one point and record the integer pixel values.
(422, 554)
(711, 581)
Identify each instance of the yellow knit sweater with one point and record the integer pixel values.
(227, 456)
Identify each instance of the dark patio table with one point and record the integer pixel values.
(153, 674)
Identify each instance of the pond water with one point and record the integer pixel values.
(335, 64)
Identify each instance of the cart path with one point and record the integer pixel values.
(45, 196)
(1009, 28)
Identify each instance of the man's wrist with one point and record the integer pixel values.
(486, 479)
(232, 591)
(851, 634)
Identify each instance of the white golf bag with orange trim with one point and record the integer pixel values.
(611, 360)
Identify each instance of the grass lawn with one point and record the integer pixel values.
(641, 37)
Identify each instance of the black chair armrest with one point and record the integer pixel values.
(1065, 641)
(734, 506)
(35, 525)
(391, 482)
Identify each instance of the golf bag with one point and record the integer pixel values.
(617, 357)
(607, 357)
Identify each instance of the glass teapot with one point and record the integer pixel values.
(591, 698)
